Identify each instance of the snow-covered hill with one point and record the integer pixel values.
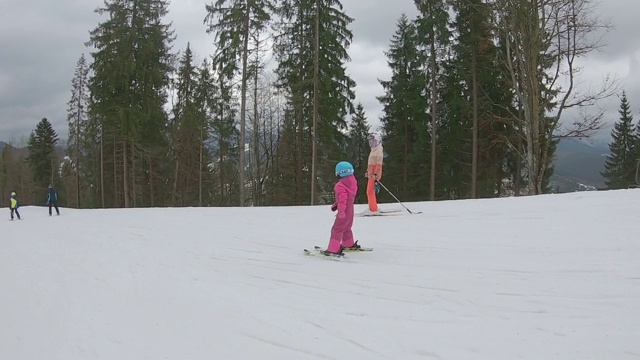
(545, 277)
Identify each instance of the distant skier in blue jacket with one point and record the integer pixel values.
(52, 199)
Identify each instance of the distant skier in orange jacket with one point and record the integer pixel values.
(374, 170)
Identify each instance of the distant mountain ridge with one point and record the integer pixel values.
(578, 165)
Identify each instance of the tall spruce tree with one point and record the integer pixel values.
(131, 68)
(286, 175)
(259, 96)
(42, 156)
(185, 134)
(311, 49)
(620, 165)
(225, 135)
(434, 36)
(405, 110)
(77, 115)
(294, 67)
(234, 22)
(206, 94)
(486, 93)
(636, 153)
(453, 149)
(359, 130)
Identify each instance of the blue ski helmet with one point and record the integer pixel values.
(344, 168)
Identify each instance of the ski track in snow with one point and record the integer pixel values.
(546, 277)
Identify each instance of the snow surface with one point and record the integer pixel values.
(544, 277)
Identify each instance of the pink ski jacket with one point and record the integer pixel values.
(345, 191)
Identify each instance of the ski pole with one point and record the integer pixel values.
(400, 202)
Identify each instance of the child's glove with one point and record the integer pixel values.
(377, 187)
(334, 207)
(341, 215)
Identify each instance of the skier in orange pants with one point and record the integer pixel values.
(374, 170)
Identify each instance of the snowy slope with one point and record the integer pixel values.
(546, 277)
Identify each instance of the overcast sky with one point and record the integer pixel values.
(42, 40)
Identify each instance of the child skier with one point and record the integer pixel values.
(374, 170)
(14, 205)
(345, 193)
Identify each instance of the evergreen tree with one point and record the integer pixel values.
(185, 126)
(259, 115)
(77, 118)
(206, 94)
(359, 130)
(18, 177)
(484, 90)
(434, 36)
(453, 164)
(131, 67)
(234, 22)
(225, 135)
(636, 152)
(295, 67)
(42, 156)
(311, 49)
(620, 165)
(359, 149)
(286, 175)
(405, 110)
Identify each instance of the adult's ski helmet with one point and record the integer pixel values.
(344, 168)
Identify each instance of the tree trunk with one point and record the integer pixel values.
(102, 194)
(78, 161)
(534, 118)
(176, 173)
(152, 196)
(116, 187)
(256, 131)
(243, 106)
(200, 171)
(299, 118)
(316, 103)
(299, 162)
(125, 174)
(221, 175)
(405, 167)
(434, 123)
(132, 179)
(474, 150)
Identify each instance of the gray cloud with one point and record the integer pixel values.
(375, 20)
(41, 41)
(621, 38)
(368, 66)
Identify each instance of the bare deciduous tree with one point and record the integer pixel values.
(543, 41)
